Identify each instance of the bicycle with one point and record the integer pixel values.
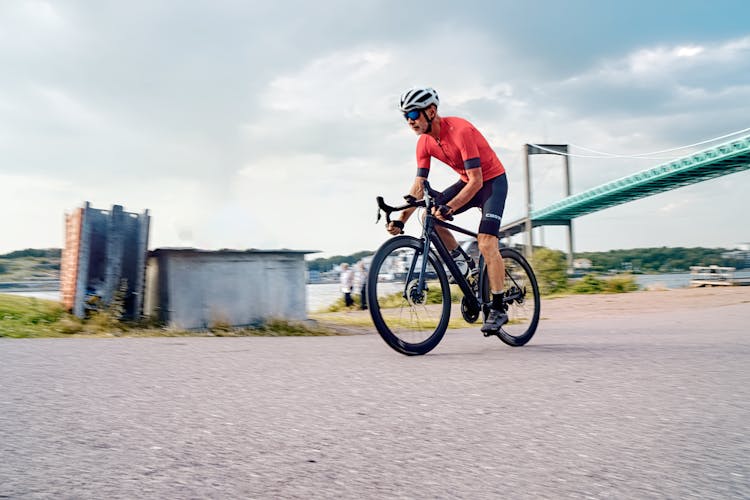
(410, 298)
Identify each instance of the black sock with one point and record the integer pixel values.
(497, 301)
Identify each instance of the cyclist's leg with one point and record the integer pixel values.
(445, 196)
(495, 191)
(490, 250)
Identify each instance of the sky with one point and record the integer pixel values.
(275, 124)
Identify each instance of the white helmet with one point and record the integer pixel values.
(418, 98)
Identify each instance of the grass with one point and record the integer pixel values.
(28, 317)
(365, 321)
(396, 299)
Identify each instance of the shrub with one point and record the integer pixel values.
(588, 284)
(620, 284)
(550, 267)
(616, 284)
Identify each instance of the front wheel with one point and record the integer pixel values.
(411, 319)
(521, 298)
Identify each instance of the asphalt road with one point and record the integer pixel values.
(646, 407)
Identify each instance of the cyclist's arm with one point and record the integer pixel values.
(417, 191)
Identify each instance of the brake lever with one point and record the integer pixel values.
(381, 203)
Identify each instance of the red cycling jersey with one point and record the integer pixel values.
(462, 147)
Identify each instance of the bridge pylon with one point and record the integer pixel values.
(545, 149)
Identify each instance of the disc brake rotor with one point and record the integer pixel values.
(415, 296)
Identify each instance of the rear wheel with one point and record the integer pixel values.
(410, 320)
(521, 298)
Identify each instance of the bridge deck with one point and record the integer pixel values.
(726, 158)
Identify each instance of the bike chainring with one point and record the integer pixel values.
(470, 314)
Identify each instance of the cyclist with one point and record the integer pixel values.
(482, 184)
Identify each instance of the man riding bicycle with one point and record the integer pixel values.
(482, 184)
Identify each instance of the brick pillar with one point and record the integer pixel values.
(69, 261)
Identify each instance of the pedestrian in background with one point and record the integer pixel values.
(360, 284)
(347, 284)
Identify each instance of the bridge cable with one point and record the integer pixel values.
(642, 156)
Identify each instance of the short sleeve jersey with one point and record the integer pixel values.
(462, 147)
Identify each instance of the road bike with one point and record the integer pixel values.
(409, 294)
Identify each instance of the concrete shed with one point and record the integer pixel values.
(194, 289)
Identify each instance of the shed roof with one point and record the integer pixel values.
(226, 251)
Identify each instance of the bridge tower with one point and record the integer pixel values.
(546, 149)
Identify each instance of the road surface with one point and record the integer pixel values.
(627, 406)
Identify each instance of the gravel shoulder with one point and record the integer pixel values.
(581, 307)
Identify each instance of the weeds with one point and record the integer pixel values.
(616, 284)
(25, 317)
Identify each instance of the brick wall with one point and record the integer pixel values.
(69, 261)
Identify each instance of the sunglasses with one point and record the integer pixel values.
(412, 115)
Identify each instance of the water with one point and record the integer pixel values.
(322, 295)
(674, 280)
(53, 295)
(668, 280)
(319, 296)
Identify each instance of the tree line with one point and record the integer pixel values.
(53, 253)
(326, 264)
(647, 260)
(658, 260)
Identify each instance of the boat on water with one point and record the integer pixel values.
(715, 276)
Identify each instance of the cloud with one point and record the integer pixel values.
(66, 109)
(659, 79)
(340, 86)
(31, 22)
(280, 120)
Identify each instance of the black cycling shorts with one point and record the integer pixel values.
(490, 199)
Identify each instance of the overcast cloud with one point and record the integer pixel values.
(274, 124)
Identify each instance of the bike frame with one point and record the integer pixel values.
(430, 237)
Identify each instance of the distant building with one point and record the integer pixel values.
(582, 264)
(741, 255)
(313, 276)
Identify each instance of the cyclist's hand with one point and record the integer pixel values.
(395, 227)
(443, 212)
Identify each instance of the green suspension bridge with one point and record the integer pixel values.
(723, 159)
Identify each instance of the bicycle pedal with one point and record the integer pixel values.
(496, 333)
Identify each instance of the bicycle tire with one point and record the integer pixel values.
(522, 298)
(402, 316)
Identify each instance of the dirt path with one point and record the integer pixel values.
(576, 307)
(643, 302)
